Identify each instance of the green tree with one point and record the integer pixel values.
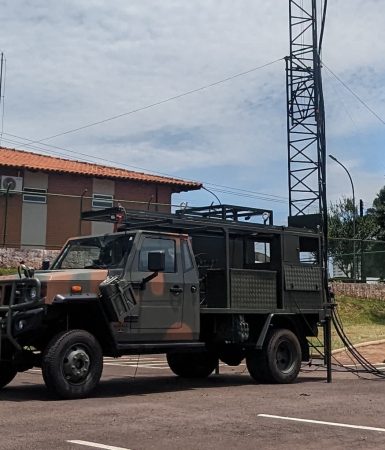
(377, 212)
(344, 241)
(374, 253)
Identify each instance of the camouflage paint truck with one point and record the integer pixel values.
(201, 286)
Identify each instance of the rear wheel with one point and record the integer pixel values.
(192, 365)
(280, 359)
(7, 374)
(72, 364)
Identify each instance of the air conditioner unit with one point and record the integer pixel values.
(14, 183)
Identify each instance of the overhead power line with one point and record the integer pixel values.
(222, 189)
(160, 102)
(216, 187)
(355, 95)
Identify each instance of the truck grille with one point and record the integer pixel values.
(22, 289)
(5, 294)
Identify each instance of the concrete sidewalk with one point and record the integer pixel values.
(373, 351)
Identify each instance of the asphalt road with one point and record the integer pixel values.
(140, 404)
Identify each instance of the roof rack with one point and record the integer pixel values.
(227, 212)
(213, 217)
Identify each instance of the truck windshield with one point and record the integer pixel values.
(99, 252)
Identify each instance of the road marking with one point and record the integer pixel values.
(96, 445)
(132, 360)
(320, 422)
(133, 363)
(140, 366)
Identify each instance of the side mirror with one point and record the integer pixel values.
(45, 264)
(156, 261)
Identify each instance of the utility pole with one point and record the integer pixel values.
(81, 210)
(2, 91)
(1, 75)
(354, 267)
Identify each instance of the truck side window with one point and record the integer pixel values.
(308, 250)
(155, 245)
(186, 255)
(261, 252)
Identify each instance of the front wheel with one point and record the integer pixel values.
(280, 359)
(192, 365)
(7, 374)
(72, 364)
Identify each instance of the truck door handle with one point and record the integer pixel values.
(176, 290)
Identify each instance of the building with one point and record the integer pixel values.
(41, 196)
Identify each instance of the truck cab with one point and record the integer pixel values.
(163, 307)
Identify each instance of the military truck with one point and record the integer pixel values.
(201, 285)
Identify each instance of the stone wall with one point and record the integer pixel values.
(360, 290)
(11, 257)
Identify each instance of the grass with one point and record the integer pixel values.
(7, 271)
(363, 320)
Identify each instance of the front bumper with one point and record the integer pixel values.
(20, 312)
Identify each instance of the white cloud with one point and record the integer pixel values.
(73, 62)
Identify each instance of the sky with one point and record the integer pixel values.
(75, 62)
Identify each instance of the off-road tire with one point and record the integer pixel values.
(280, 359)
(7, 374)
(72, 364)
(192, 365)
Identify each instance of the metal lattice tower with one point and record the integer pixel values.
(305, 115)
(306, 135)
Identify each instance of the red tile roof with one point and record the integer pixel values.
(33, 161)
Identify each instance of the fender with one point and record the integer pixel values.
(295, 327)
(264, 331)
(86, 311)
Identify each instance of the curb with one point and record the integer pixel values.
(362, 344)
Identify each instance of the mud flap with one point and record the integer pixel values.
(118, 298)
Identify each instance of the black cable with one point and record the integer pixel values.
(354, 94)
(350, 348)
(280, 197)
(251, 194)
(212, 193)
(368, 367)
(160, 102)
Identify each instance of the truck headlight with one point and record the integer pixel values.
(32, 293)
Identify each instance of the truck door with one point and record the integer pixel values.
(161, 300)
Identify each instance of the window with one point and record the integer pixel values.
(261, 252)
(186, 255)
(102, 201)
(155, 245)
(34, 195)
(102, 252)
(309, 250)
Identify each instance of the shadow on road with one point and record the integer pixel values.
(140, 385)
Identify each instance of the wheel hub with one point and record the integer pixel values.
(284, 357)
(76, 364)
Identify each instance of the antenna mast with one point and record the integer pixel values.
(305, 118)
(306, 135)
